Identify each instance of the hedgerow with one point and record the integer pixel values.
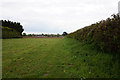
(105, 34)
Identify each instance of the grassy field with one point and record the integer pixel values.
(56, 58)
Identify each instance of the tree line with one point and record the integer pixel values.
(105, 34)
(11, 29)
(44, 35)
(14, 25)
(41, 35)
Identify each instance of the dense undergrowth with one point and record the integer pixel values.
(105, 35)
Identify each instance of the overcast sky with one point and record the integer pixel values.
(56, 16)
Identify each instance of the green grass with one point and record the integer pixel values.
(56, 58)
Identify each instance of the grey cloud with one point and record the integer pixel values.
(56, 15)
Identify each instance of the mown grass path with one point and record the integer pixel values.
(55, 58)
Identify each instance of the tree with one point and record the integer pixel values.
(24, 34)
(14, 25)
(64, 33)
(29, 34)
(58, 35)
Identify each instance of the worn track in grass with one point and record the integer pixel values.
(55, 58)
